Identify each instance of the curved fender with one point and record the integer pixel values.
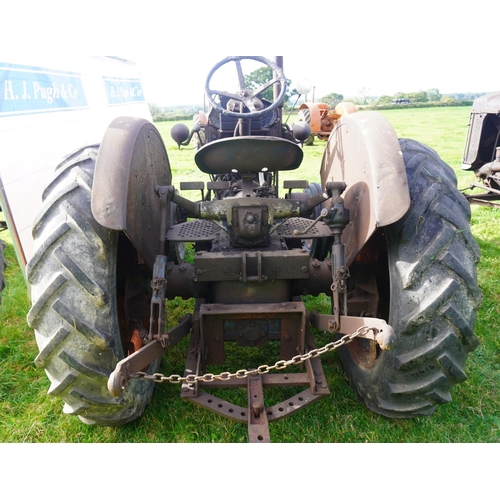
(132, 161)
(363, 151)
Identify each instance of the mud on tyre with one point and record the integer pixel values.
(81, 277)
(428, 293)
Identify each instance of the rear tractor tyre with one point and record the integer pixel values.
(431, 296)
(304, 115)
(3, 265)
(79, 273)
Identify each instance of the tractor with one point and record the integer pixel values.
(321, 118)
(482, 150)
(383, 234)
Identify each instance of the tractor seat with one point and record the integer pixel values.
(249, 155)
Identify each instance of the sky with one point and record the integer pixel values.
(177, 82)
(381, 46)
(341, 46)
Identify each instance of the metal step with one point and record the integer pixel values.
(203, 230)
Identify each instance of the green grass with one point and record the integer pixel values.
(442, 129)
(29, 415)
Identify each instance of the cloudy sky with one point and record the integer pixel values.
(384, 46)
(341, 46)
(176, 81)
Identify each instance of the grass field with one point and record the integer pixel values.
(29, 415)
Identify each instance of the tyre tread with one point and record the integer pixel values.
(434, 286)
(73, 314)
(3, 266)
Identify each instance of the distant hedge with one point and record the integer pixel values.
(172, 117)
(187, 113)
(437, 104)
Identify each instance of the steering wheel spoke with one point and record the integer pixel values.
(245, 95)
(229, 95)
(264, 87)
(241, 76)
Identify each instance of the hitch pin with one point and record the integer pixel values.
(385, 338)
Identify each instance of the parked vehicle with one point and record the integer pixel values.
(49, 108)
(482, 150)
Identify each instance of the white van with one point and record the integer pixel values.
(50, 107)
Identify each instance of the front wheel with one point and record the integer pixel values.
(427, 291)
(86, 285)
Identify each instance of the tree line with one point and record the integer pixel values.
(257, 78)
(427, 98)
(431, 97)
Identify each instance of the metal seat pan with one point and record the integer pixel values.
(240, 155)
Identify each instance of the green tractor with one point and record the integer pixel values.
(383, 232)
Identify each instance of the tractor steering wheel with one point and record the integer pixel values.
(245, 95)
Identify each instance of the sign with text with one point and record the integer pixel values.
(123, 91)
(29, 89)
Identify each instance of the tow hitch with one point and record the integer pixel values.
(295, 331)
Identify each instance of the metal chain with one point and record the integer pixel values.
(261, 370)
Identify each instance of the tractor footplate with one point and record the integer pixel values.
(204, 230)
(257, 415)
(193, 231)
(300, 228)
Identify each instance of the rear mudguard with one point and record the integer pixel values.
(132, 161)
(363, 151)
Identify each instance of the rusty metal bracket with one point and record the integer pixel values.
(257, 416)
(376, 329)
(292, 331)
(164, 219)
(142, 358)
(258, 425)
(159, 286)
(338, 220)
